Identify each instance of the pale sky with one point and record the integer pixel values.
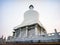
(12, 12)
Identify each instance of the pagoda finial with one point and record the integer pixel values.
(31, 7)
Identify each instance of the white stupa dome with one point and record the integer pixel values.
(30, 17)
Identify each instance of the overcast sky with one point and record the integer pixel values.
(12, 12)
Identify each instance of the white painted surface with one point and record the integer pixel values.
(30, 17)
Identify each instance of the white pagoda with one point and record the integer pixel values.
(31, 30)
